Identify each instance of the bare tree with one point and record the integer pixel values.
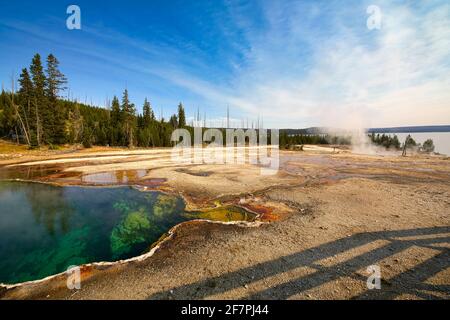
(17, 114)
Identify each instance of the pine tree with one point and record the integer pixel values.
(148, 115)
(26, 93)
(428, 146)
(115, 112)
(181, 116)
(116, 123)
(56, 82)
(129, 123)
(2, 115)
(6, 114)
(173, 121)
(42, 115)
(37, 115)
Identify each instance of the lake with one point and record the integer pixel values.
(441, 139)
(44, 229)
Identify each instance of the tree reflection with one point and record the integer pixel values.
(50, 207)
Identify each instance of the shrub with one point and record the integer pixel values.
(428, 146)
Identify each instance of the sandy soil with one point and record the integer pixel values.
(332, 215)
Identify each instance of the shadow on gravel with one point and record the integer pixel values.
(411, 281)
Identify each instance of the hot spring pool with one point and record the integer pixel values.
(44, 229)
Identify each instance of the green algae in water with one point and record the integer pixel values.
(223, 214)
(45, 229)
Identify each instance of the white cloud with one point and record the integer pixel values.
(398, 75)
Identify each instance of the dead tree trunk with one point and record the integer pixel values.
(16, 109)
(405, 145)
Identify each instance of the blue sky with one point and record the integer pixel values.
(292, 63)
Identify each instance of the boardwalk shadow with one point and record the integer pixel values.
(411, 281)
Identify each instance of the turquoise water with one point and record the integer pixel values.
(44, 229)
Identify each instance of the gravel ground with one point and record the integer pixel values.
(382, 212)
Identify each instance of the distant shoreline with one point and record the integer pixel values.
(411, 129)
(408, 129)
